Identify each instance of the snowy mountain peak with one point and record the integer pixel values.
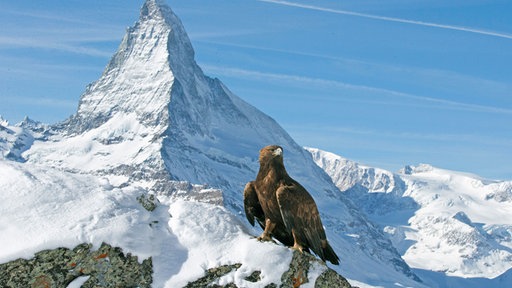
(346, 174)
(153, 9)
(409, 169)
(157, 12)
(154, 111)
(3, 122)
(140, 75)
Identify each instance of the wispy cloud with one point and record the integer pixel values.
(413, 135)
(26, 68)
(425, 100)
(393, 19)
(393, 140)
(284, 51)
(58, 31)
(75, 48)
(50, 16)
(67, 18)
(201, 36)
(414, 73)
(40, 101)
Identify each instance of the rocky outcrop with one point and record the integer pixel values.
(300, 272)
(106, 267)
(110, 267)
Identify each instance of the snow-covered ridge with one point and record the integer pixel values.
(440, 220)
(346, 173)
(14, 140)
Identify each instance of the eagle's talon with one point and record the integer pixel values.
(265, 238)
(297, 247)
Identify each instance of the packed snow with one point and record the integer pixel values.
(43, 208)
(122, 139)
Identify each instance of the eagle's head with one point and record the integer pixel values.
(271, 153)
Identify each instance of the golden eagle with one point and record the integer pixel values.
(285, 209)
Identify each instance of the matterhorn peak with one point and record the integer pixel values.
(157, 12)
(155, 105)
(154, 9)
(139, 78)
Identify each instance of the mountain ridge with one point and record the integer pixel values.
(446, 221)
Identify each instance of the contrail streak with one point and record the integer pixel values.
(392, 19)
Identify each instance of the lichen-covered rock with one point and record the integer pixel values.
(329, 279)
(254, 277)
(213, 274)
(149, 202)
(297, 274)
(107, 267)
(110, 267)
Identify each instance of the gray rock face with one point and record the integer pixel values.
(110, 267)
(106, 267)
(298, 274)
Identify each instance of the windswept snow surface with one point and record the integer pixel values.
(215, 237)
(122, 139)
(44, 208)
(454, 223)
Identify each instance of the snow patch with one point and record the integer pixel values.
(214, 237)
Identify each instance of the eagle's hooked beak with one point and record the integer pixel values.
(278, 152)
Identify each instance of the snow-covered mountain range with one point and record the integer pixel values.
(154, 124)
(454, 223)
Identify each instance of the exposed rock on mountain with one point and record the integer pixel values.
(106, 267)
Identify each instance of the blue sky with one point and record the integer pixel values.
(383, 83)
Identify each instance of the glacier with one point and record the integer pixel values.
(154, 124)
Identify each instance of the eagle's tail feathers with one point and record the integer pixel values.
(330, 255)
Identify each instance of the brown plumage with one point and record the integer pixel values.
(285, 209)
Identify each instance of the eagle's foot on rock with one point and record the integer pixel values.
(297, 247)
(265, 238)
